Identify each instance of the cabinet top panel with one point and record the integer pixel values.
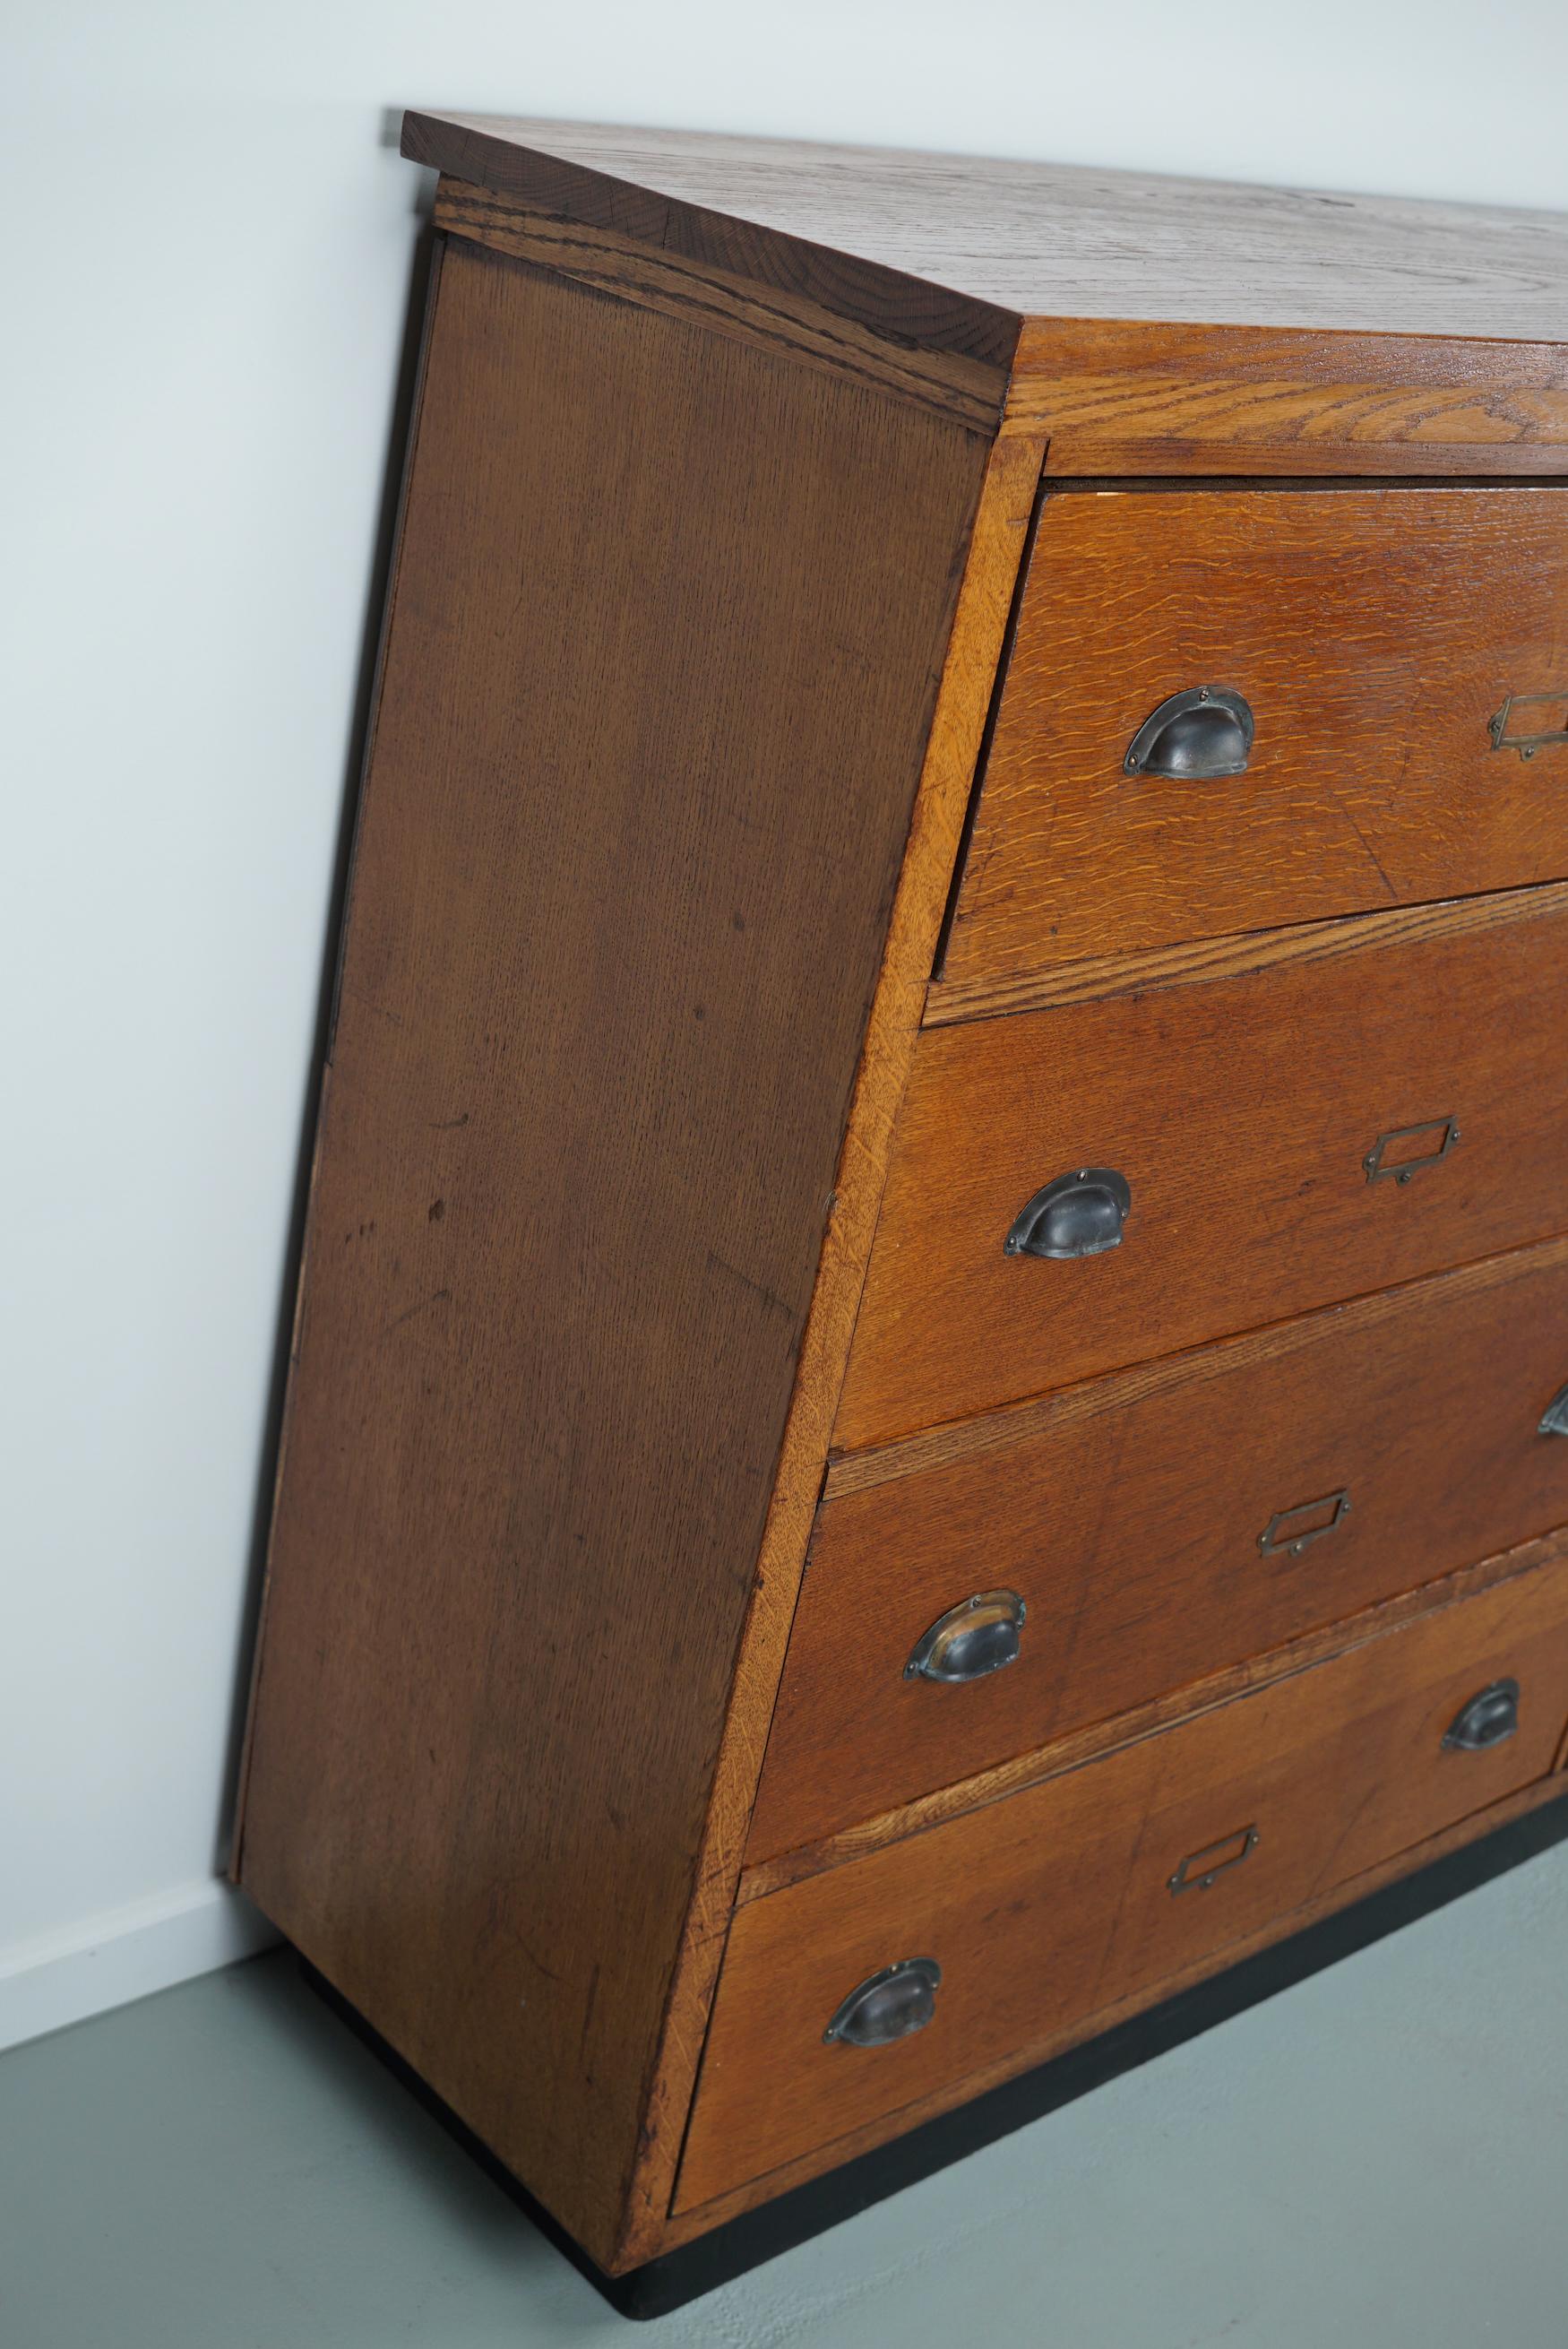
(997, 240)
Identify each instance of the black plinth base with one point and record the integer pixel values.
(745, 2242)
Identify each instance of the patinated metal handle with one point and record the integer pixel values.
(978, 1636)
(1554, 1418)
(1080, 1213)
(1198, 737)
(1488, 1720)
(888, 2005)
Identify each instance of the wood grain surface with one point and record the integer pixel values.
(1241, 1112)
(772, 317)
(615, 927)
(1375, 633)
(964, 696)
(952, 249)
(1128, 1515)
(1048, 1908)
(1124, 398)
(1192, 962)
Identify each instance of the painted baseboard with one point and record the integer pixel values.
(125, 1954)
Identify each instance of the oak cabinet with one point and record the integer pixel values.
(928, 1394)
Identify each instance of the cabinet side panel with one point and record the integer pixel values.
(953, 746)
(669, 621)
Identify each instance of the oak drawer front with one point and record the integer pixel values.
(1288, 1137)
(1049, 1906)
(1155, 1527)
(1374, 636)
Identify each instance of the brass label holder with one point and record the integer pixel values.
(1200, 1870)
(1288, 1531)
(1380, 1167)
(1530, 737)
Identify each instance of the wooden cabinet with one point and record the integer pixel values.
(927, 1397)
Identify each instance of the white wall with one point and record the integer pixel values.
(204, 285)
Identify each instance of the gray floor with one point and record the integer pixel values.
(1375, 2159)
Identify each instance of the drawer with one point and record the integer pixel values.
(1045, 1909)
(1155, 1527)
(1373, 634)
(1290, 1136)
